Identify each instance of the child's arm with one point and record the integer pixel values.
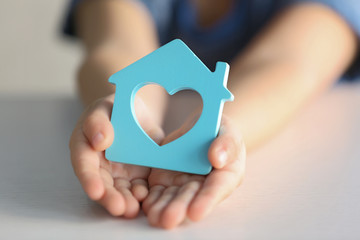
(115, 34)
(301, 53)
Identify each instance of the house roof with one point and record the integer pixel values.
(176, 62)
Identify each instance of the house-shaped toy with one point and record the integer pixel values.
(174, 67)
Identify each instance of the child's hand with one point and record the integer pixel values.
(174, 196)
(118, 187)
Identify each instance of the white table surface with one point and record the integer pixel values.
(304, 184)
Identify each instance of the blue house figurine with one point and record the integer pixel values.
(175, 67)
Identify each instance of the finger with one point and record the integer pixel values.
(154, 195)
(157, 208)
(217, 186)
(132, 205)
(139, 189)
(97, 126)
(175, 213)
(211, 194)
(226, 147)
(86, 165)
(113, 201)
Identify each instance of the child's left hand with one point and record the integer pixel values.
(175, 196)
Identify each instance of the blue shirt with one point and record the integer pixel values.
(177, 19)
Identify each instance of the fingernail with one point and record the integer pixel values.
(98, 138)
(222, 157)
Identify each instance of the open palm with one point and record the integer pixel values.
(175, 196)
(118, 187)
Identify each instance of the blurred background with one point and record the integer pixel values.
(40, 198)
(35, 58)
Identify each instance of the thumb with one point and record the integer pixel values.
(97, 126)
(227, 147)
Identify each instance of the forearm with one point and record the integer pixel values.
(293, 60)
(115, 34)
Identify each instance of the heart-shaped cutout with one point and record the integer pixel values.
(182, 111)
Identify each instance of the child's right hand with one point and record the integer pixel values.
(117, 187)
